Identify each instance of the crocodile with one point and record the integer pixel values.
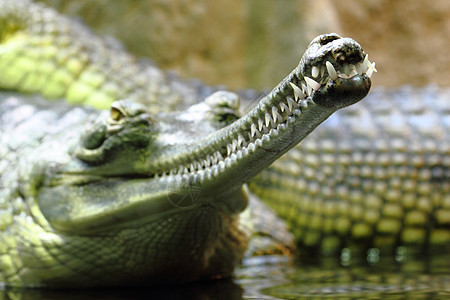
(74, 64)
(138, 196)
(376, 175)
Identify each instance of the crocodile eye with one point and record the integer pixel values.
(116, 114)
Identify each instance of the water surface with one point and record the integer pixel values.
(376, 276)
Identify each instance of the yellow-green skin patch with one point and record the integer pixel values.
(43, 52)
(367, 177)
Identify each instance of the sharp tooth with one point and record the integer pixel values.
(353, 73)
(260, 124)
(309, 91)
(215, 172)
(239, 154)
(369, 73)
(315, 72)
(298, 94)
(208, 174)
(372, 67)
(258, 134)
(292, 104)
(276, 115)
(268, 119)
(241, 140)
(219, 156)
(305, 89)
(233, 158)
(234, 145)
(192, 167)
(253, 130)
(221, 166)
(180, 170)
(331, 71)
(229, 149)
(283, 107)
(366, 62)
(227, 162)
(312, 83)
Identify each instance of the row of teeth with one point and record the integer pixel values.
(273, 122)
(267, 126)
(349, 70)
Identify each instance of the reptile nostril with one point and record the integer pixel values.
(328, 38)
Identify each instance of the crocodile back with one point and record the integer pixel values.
(61, 58)
(376, 174)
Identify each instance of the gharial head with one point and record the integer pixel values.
(133, 164)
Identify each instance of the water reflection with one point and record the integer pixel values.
(221, 289)
(348, 276)
(375, 276)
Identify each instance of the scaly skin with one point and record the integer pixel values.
(407, 203)
(138, 197)
(374, 175)
(44, 52)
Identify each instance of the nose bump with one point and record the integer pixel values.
(328, 38)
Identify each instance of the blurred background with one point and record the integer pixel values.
(255, 43)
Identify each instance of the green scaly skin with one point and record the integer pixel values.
(374, 175)
(60, 58)
(404, 178)
(136, 197)
(395, 193)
